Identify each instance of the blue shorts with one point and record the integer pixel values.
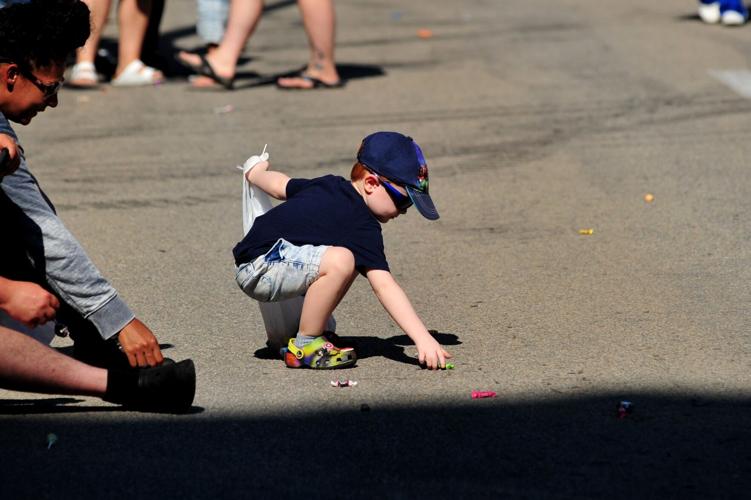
(285, 271)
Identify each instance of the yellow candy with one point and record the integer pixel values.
(586, 232)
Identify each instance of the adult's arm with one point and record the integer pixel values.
(68, 270)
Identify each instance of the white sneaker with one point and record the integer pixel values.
(709, 12)
(733, 12)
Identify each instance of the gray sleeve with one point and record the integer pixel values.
(69, 271)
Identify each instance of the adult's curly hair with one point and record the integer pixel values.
(43, 32)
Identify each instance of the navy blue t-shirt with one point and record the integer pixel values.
(323, 211)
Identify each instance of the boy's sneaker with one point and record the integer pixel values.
(709, 11)
(733, 13)
(169, 387)
(319, 355)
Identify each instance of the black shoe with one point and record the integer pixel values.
(101, 353)
(169, 387)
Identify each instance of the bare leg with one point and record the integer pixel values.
(319, 20)
(133, 21)
(241, 23)
(100, 10)
(337, 272)
(28, 365)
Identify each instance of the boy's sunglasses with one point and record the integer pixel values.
(401, 201)
(47, 89)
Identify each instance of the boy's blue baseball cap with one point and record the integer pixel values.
(399, 159)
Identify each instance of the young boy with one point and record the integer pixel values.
(327, 231)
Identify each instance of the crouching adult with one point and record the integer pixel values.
(36, 38)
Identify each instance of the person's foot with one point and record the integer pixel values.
(333, 337)
(137, 74)
(210, 73)
(170, 387)
(100, 353)
(709, 11)
(319, 354)
(733, 13)
(83, 75)
(310, 79)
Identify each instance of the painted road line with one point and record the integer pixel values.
(738, 80)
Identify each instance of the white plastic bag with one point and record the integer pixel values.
(281, 319)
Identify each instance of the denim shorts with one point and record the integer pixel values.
(285, 271)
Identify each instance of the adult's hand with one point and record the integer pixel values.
(28, 303)
(140, 345)
(9, 158)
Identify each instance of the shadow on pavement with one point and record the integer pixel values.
(347, 72)
(689, 18)
(671, 446)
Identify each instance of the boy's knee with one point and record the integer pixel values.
(338, 260)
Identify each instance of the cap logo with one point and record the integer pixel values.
(422, 178)
(422, 173)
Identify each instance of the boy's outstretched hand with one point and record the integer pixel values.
(432, 355)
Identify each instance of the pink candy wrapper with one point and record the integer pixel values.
(483, 394)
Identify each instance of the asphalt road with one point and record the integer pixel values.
(538, 119)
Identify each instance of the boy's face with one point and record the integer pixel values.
(386, 200)
(31, 90)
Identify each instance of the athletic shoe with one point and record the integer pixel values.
(169, 387)
(100, 353)
(709, 11)
(319, 354)
(733, 13)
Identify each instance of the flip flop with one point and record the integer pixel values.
(205, 69)
(317, 83)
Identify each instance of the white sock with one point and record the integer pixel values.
(303, 340)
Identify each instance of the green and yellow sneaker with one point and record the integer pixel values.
(319, 355)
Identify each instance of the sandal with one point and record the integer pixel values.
(206, 69)
(83, 75)
(334, 338)
(320, 354)
(316, 82)
(137, 74)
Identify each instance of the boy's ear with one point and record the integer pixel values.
(370, 182)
